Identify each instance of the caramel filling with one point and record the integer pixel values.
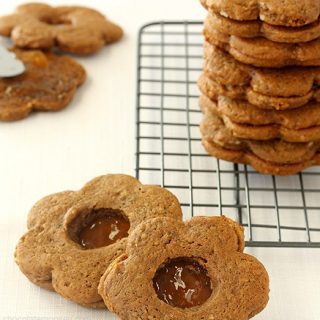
(100, 228)
(182, 283)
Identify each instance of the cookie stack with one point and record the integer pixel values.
(260, 84)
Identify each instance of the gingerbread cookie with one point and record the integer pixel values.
(258, 28)
(248, 122)
(261, 133)
(262, 166)
(261, 52)
(73, 29)
(242, 112)
(74, 236)
(290, 13)
(276, 151)
(266, 88)
(192, 270)
(275, 157)
(48, 84)
(214, 89)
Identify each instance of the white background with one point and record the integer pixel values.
(52, 152)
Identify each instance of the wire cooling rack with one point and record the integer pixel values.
(275, 211)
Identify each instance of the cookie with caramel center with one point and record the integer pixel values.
(192, 270)
(74, 236)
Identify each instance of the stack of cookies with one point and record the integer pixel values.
(260, 84)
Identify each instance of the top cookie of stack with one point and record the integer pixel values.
(260, 85)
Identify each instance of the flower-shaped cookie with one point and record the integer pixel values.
(74, 29)
(194, 270)
(48, 84)
(74, 236)
(290, 13)
(261, 52)
(258, 28)
(246, 121)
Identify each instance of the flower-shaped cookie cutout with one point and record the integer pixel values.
(48, 84)
(73, 29)
(192, 270)
(74, 236)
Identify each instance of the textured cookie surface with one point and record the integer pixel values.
(283, 13)
(48, 84)
(277, 151)
(266, 88)
(248, 122)
(74, 29)
(258, 28)
(214, 89)
(239, 283)
(262, 166)
(261, 52)
(49, 255)
(271, 157)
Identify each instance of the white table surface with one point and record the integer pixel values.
(52, 152)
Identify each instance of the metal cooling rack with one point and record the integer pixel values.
(275, 211)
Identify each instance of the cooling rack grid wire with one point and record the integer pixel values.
(275, 211)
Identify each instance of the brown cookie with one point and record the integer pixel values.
(266, 88)
(291, 13)
(275, 157)
(214, 89)
(48, 84)
(73, 29)
(74, 236)
(262, 166)
(248, 122)
(261, 133)
(261, 52)
(258, 28)
(241, 111)
(276, 151)
(192, 270)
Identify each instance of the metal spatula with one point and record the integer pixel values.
(10, 66)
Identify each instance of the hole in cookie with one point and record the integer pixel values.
(182, 283)
(98, 228)
(56, 21)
